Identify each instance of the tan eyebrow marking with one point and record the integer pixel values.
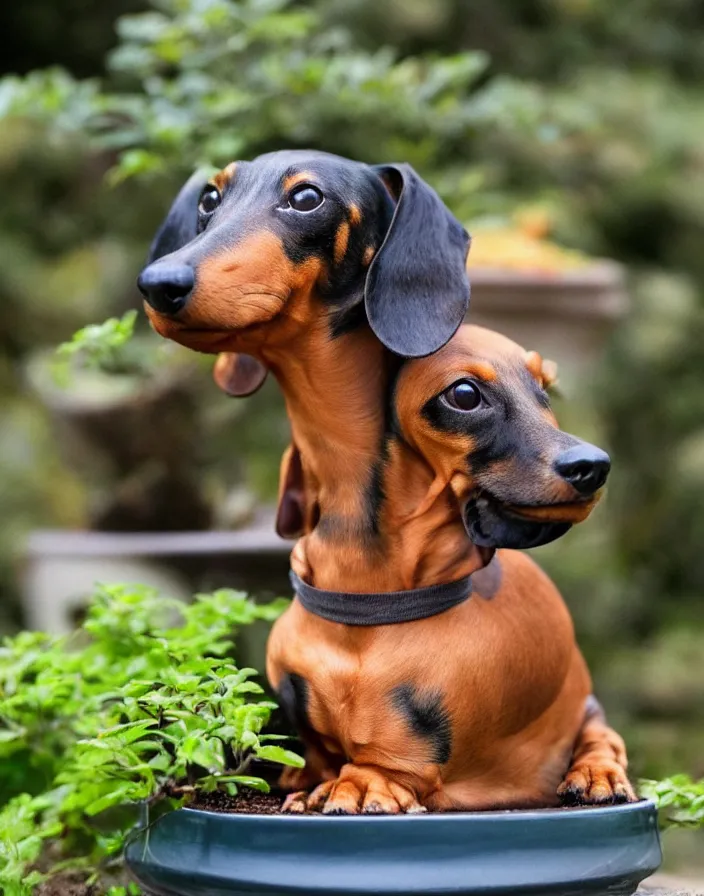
(342, 238)
(482, 370)
(355, 214)
(368, 255)
(302, 177)
(225, 177)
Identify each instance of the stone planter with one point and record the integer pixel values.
(566, 316)
(61, 569)
(573, 852)
(133, 440)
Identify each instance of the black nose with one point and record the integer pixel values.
(166, 286)
(585, 467)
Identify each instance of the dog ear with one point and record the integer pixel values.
(239, 375)
(417, 289)
(181, 224)
(543, 370)
(291, 511)
(551, 378)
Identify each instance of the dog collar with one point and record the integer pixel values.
(381, 608)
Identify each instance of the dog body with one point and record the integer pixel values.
(330, 274)
(482, 705)
(478, 707)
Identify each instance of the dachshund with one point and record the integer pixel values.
(326, 272)
(487, 704)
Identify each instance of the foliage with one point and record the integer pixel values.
(171, 103)
(99, 346)
(544, 39)
(680, 800)
(22, 836)
(143, 702)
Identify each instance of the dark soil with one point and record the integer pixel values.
(252, 802)
(247, 802)
(65, 885)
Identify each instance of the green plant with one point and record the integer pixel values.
(143, 703)
(679, 799)
(170, 102)
(105, 346)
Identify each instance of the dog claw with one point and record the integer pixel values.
(602, 784)
(295, 803)
(373, 809)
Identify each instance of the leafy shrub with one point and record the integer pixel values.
(143, 702)
(103, 346)
(680, 800)
(195, 83)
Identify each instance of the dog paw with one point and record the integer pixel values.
(597, 783)
(298, 779)
(357, 791)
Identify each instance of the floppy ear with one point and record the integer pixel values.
(417, 290)
(291, 512)
(181, 223)
(239, 375)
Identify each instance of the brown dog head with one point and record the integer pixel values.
(478, 413)
(299, 239)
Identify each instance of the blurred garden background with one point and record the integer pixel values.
(577, 121)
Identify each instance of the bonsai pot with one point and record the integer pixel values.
(566, 852)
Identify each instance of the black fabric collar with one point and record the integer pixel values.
(382, 608)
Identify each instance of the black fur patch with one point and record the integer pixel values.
(346, 320)
(293, 697)
(375, 493)
(426, 717)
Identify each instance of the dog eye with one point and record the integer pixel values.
(210, 199)
(463, 396)
(305, 198)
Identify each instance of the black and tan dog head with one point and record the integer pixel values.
(478, 413)
(278, 243)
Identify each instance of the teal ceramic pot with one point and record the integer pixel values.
(572, 852)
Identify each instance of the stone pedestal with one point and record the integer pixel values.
(62, 567)
(565, 316)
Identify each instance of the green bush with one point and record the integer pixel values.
(679, 799)
(106, 347)
(143, 702)
(196, 83)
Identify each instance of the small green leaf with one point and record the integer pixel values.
(283, 757)
(246, 781)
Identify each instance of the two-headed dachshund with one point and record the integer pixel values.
(330, 274)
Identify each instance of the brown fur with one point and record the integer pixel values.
(504, 667)
(224, 177)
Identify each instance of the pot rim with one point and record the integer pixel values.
(515, 815)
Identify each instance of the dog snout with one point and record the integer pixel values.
(585, 467)
(166, 287)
